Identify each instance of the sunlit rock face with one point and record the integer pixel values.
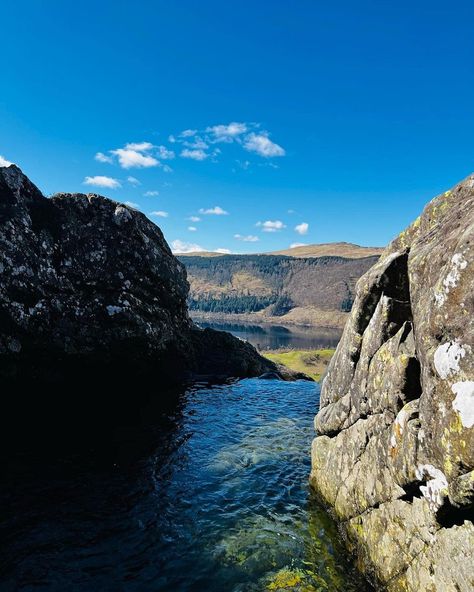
(89, 288)
(394, 455)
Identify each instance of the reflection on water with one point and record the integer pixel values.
(265, 337)
(223, 504)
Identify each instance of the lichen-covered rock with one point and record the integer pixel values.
(394, 455)
(89, 289)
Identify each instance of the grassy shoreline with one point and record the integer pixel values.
(310, 361)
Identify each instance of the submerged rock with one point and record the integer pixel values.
(93, 301)
(394, 455)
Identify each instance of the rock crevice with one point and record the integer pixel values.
(394, 455)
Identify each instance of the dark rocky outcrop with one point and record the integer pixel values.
(92, 300)
(394, 455)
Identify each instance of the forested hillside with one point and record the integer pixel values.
(311, 290)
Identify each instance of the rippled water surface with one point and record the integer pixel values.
(222, 504)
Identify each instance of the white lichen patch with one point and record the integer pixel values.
(459, 263)
(464, 401)
(122, 214)
(447, 358)
(436, 487)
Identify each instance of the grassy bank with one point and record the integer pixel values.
(312, 362)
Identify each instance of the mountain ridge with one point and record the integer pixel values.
(334, 249)
(316, 291)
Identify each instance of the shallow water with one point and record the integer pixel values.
(223, 504)
(267, 336)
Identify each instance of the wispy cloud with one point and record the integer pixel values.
(196, 143)
(294, 245)
(243, 164)
(101, 181)
(250, 136)
(139, 146)
(223, 251)
(226, 133)
(153, 193)
(133, 181)
(271, 225)
(164, 153)
(302, 228)
(194, 154)
(132, 204)
(159, 214)
(192, 228)
(4, 162)
(250, 238)
(262, 145)
(215, 211)
(180, 246)
(101, 157)
(188, 133)
(194, 218)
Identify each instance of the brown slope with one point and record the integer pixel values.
(342, 249)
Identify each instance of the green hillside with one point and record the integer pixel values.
(303, 290)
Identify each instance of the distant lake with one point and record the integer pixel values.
(265, 337)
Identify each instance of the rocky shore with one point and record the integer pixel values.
(93, 307)
(394, 456)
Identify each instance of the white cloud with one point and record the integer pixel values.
(250, 238)
(151, 193)
(139, 146)
(4, 162)
(291, 212)
(294, 245)
(192, 228)
(188, 133)
(138, 155)
(197, 144)
(194, 154)
(135, 156)
(164, 153)
(167, 169)
(179, 246)
(132, 204)
(271, 225)
(302, 228)
(101, 181)
(262, 145)
(171, 139)
(223, 251)
(159, 214)
(133, 181)
(227, 133)
(215, 211)
(101, 157)
(194, 218)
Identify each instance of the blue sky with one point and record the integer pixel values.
(304, 121)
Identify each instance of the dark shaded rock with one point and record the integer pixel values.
(93, 303)
(394, 455)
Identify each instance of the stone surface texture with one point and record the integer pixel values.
(394, 454)
(90, 285)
